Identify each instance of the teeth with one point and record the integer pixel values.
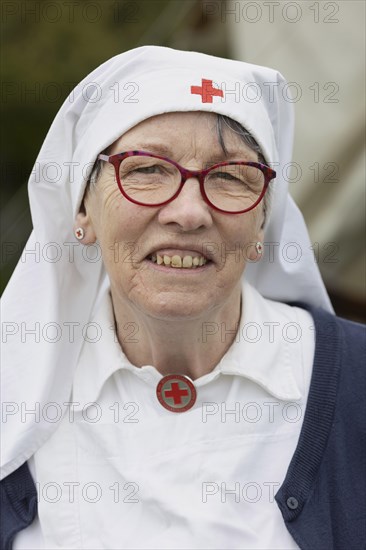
(187, 261)
(179, 261)
(176, 261)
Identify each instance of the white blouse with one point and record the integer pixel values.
(122, 472)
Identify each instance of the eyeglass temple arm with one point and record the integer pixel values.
(103, 157)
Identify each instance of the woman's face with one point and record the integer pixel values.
(129, 233)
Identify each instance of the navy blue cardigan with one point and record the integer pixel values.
(322, 499)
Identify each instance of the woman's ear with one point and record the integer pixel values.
(255, 250)
(83, 226)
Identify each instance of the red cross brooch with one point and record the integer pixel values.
(176, 393)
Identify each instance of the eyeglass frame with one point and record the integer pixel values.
(185, 173)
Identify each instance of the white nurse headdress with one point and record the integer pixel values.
(49, 299)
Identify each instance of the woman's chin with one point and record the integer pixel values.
(172, 307)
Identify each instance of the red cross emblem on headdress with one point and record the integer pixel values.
(206, 91)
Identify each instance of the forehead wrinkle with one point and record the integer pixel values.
(208, 151)
(159, 148)
(215, 154)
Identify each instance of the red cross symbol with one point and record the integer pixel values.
(176, 393)
(178, 388)
(206, 91)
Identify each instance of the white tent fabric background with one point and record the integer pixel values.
(320, 48)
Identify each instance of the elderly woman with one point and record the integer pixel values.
(154, 396)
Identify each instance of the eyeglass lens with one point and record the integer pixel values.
(150, 180)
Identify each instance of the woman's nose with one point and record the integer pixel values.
(189, 210)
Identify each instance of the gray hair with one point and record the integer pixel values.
(237, 128)
(95, 173)
(222, 122)
(250, 141)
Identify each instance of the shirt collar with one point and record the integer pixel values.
(267, 347)
(264, 351)
(101, 354)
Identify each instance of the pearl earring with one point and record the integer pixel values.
(259, 247)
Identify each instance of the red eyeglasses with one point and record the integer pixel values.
(151, 180)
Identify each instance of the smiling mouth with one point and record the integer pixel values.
(177, 261)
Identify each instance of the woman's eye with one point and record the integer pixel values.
(225, 176)
(147, 169)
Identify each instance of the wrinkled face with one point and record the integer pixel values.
(187, 230)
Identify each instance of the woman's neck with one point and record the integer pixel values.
(191, 347)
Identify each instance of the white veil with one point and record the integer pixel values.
(49, 301)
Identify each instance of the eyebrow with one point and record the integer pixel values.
(158, 148)
(165, 151)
